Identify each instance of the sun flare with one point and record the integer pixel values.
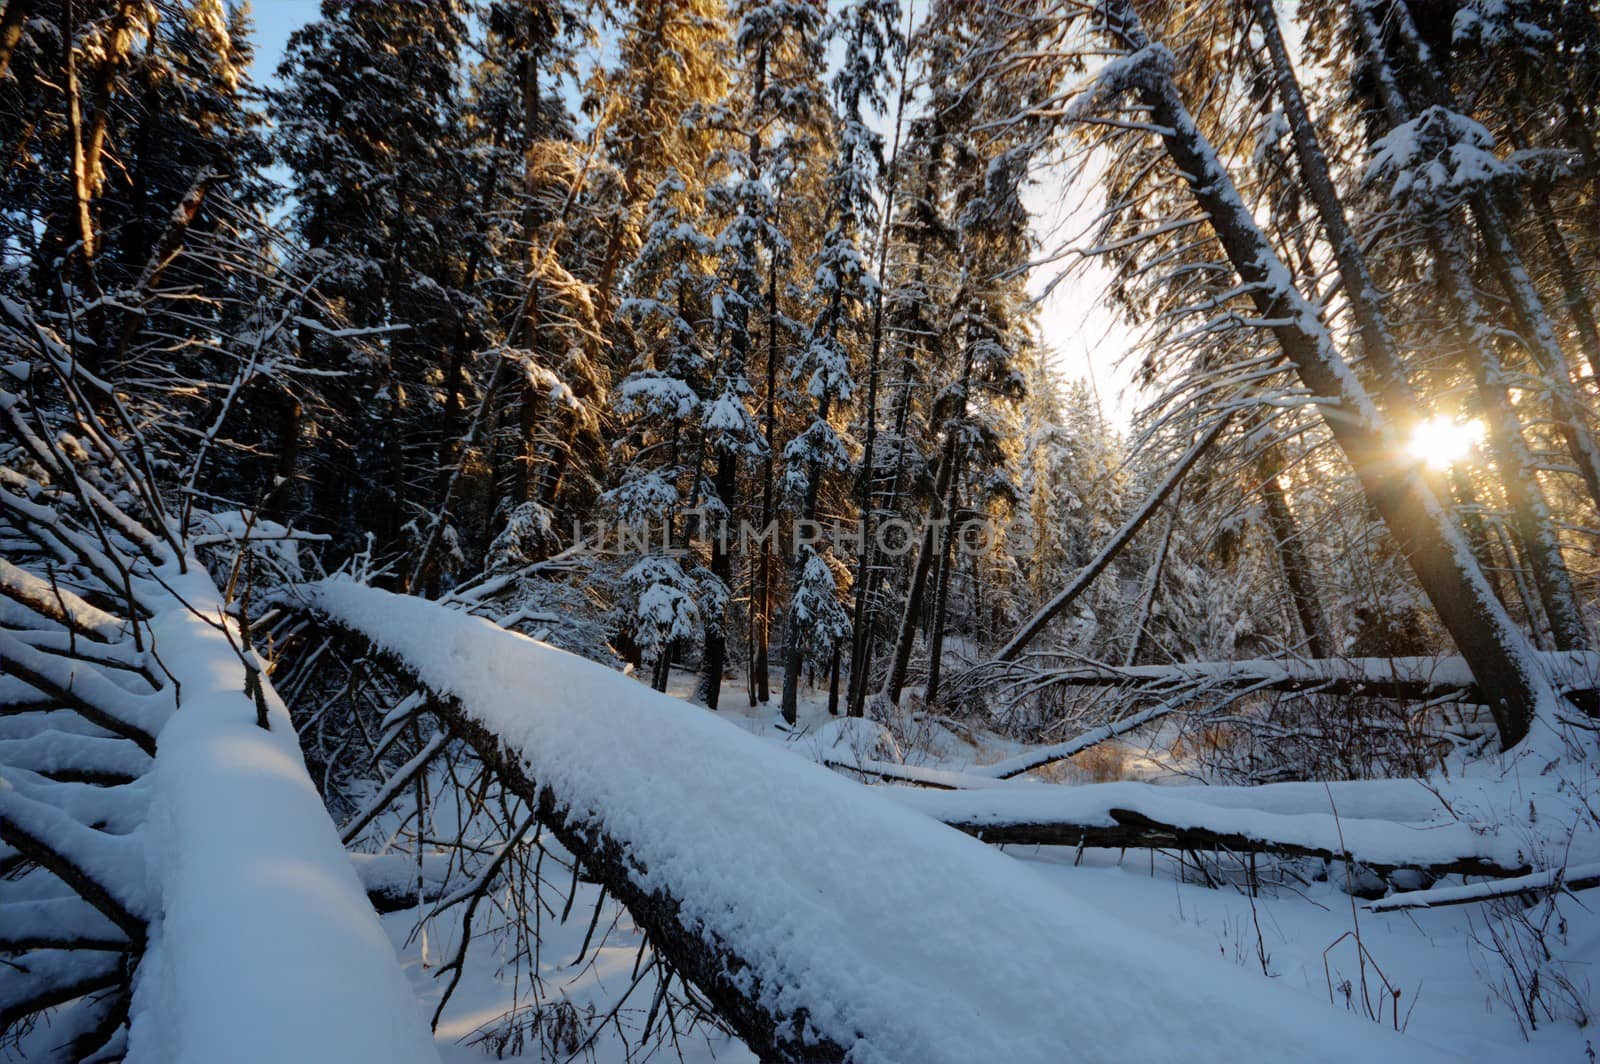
(1442, 442)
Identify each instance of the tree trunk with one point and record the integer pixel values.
(1152, 585)
(941, 592)
(792, 648)
(1505, 263)
(861, 616)
(1114, 546)
(1292, 557)
(715, 658)
(1498, 654)
(915, 590)
(1377, 340)
(761, 604)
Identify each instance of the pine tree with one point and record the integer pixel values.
(985, 323)
(776, 45)
(842, 286)
(667, 398)
(365, 117)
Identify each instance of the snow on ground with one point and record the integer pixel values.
(927, 945)
(475, 1026)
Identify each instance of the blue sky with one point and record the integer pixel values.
(275, 20)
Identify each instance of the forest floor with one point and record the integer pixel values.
(1453, 986)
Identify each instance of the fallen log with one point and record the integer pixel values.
(711, 963)
(1571, 878)
(1281, 823)
(918, 775)
(1407, 678)
(391, 879)
(1185, 685)
(820, 919)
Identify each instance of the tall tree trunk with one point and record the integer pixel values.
(1377, 340)
(1469, 509)
(276, 504)
(906, 638)
(941, 590)
(944, 480)
(1292, 558)
(1519, 473)
(81, 179)
(861, 615)
(1573, 295)
(891, 504)
(792, 637)
(528, 404)
(714, 659)
(1531, 513)
(760, 689)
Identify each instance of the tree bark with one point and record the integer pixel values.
(941, 589)
(1292, 558)
(714, 966)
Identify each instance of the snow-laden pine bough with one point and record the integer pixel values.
(824, 920)
(171, 887)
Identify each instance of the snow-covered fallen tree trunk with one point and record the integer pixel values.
(171, 887)
(1187, 684)
(1571, 878)
(1382, 824)
(823, 920)
(264, 917)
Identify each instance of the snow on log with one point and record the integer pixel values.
(821, 918)
(267, 948)
(920, 775)
(1573, 877)
(391, 879)
(1383, 824)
